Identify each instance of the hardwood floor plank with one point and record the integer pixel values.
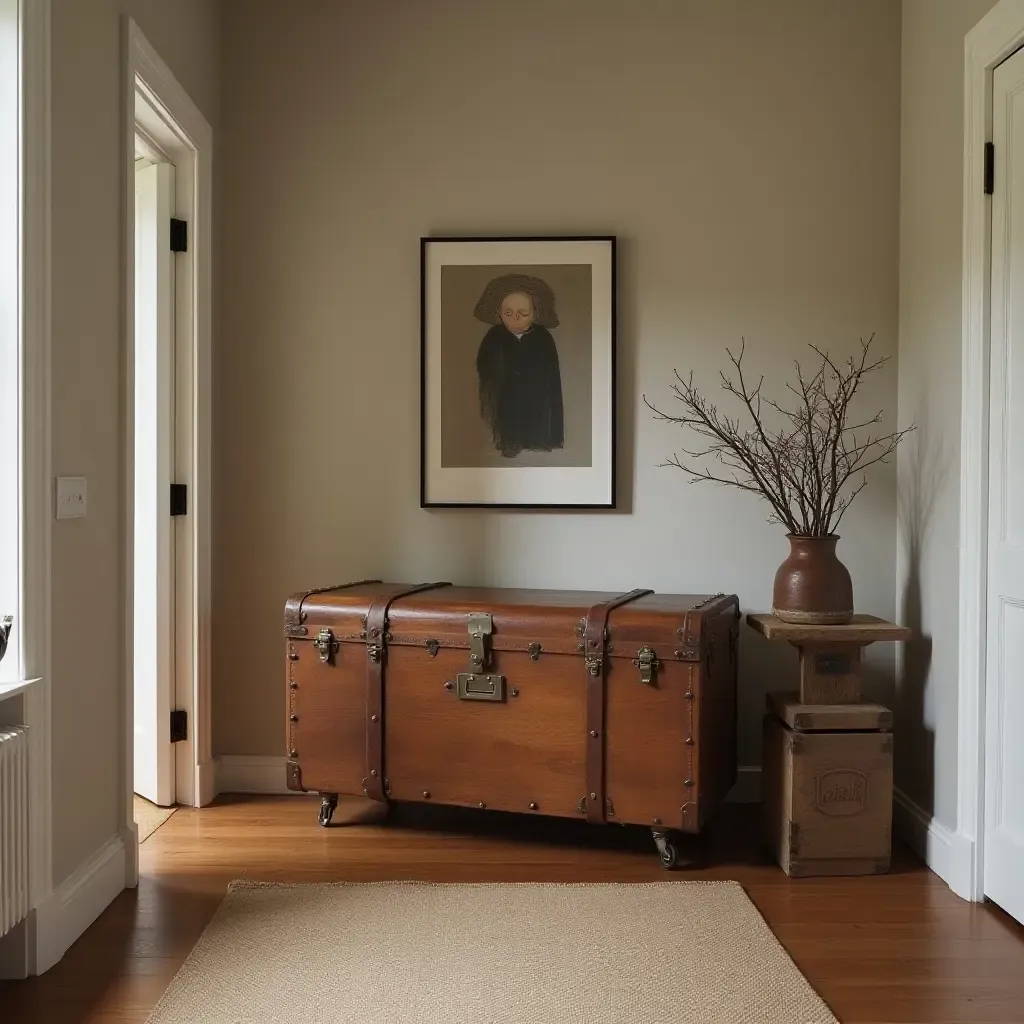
(893, 949)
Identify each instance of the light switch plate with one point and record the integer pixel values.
(70, 497)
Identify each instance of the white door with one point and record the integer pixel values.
(154, 461)
(1004, 687)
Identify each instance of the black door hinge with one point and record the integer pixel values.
(179, 499)
(179, 235)
(990, 167)
(179, 726)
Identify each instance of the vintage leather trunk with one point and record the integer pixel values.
(615, 708)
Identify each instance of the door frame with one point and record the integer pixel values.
(990, 42)
(158, 108)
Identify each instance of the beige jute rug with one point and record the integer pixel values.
(149, 817)
(521, 953)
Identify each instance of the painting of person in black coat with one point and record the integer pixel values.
(517, 365)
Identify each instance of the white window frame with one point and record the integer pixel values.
(35, 491)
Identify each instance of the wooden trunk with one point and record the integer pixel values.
(616, 708)
(827, 786)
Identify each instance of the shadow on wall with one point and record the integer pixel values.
(926, 470)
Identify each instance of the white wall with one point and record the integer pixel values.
(88, 388)
(929, 394)
(747, 157)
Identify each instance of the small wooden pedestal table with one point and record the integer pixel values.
(829, 655)
(827, 754)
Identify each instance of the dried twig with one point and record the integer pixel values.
(804, 468)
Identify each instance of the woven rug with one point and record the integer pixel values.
(149, 817)
(520, 953)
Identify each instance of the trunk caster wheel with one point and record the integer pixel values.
(330, 802)
(667, 851)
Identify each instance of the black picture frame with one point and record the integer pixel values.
(522, 465)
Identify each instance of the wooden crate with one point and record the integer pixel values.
(827, 786)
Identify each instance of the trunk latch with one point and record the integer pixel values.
(478, 684)
(325, 644)
(647, 661)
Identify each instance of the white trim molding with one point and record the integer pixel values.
(241, 773)
(155, 101)
(990, 42)
(949, 854)
(68, 912)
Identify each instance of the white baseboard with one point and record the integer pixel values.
(206, 776)
(748, 785)
(65, 915)
(241, 773)
(949, 854)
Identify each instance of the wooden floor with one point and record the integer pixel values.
(896, 948)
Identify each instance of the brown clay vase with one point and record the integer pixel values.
(812, 587)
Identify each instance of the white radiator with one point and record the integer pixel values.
(13, 826)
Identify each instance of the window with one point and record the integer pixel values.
(10, 335)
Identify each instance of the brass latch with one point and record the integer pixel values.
(325, 644)
(477, 683)
(480, 628)
(647, 661)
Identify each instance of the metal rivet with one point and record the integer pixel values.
(680, 654)
(294, 718)
(581, 647)
(656, 821)
(610, 648)
(688, 782)
(426, 794)
(533, 806)
(293, 685)
(481, 805)
(374, 718)
(515, 692)
(688, 695)
(293, 656)
(374, 631)
(389, 637)
(293, 752)
(593, 796)
(373, 772)
(593, 732)
(449, 685)
(689, 741)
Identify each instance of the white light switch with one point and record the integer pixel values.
(70, 497)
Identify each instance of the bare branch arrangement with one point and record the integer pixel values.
(809, 468)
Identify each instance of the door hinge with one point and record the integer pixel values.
(179, 235)
(179, 726)
(990, 167)
(179, 499)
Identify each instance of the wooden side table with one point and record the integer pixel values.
(830, 656)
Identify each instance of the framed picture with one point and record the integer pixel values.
(518, 372)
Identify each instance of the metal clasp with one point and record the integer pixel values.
(481, 625)
(647, 661)
(325, 644)
(480, 686)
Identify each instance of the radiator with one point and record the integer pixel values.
(14, 883)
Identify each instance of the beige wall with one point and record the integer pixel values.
(88, 388)
(745, 154)
(929, 393)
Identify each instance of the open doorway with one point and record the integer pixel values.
(155, 725)
(168, 216)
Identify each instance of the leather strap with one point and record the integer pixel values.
(376, 651)
(294, 616)
(594, 637)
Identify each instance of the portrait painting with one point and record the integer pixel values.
(518, 372)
